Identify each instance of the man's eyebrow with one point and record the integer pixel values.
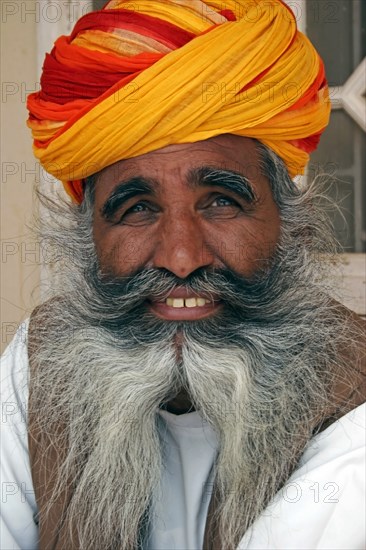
(125, 191)
(230, 180)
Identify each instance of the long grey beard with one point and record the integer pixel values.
(260, 372)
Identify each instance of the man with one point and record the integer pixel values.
(191, 383)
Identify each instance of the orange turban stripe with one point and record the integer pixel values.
(138, 76)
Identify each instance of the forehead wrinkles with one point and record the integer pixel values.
(214, 151)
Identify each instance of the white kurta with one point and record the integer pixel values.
(322, 506)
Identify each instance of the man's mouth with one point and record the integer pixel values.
(187, 302)
(181, 305)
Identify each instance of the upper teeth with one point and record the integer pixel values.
(186, 302)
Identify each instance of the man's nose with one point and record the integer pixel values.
(182, 247)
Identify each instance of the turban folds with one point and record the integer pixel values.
(138, 76)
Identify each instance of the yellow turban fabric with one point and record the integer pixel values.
(137, 76)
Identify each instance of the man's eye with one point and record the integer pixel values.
(139, 207)
(224, 201)
(139, 213)
(222, 207)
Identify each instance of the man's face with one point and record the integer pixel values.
(185, 222)
(185, 207)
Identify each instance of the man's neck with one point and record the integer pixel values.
(180, 404)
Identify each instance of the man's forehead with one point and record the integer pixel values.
(224, 152)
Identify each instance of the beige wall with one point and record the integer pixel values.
(19, 253)
(28, 30)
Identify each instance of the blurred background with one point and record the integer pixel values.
(28, 30)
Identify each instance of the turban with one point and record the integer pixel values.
(139, 75)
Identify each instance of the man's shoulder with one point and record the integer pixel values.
(322, 504)
(348, 384)
(342, 437)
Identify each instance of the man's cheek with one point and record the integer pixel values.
(225, 250)
(120, 258)
(243, 256)
(251, 256)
